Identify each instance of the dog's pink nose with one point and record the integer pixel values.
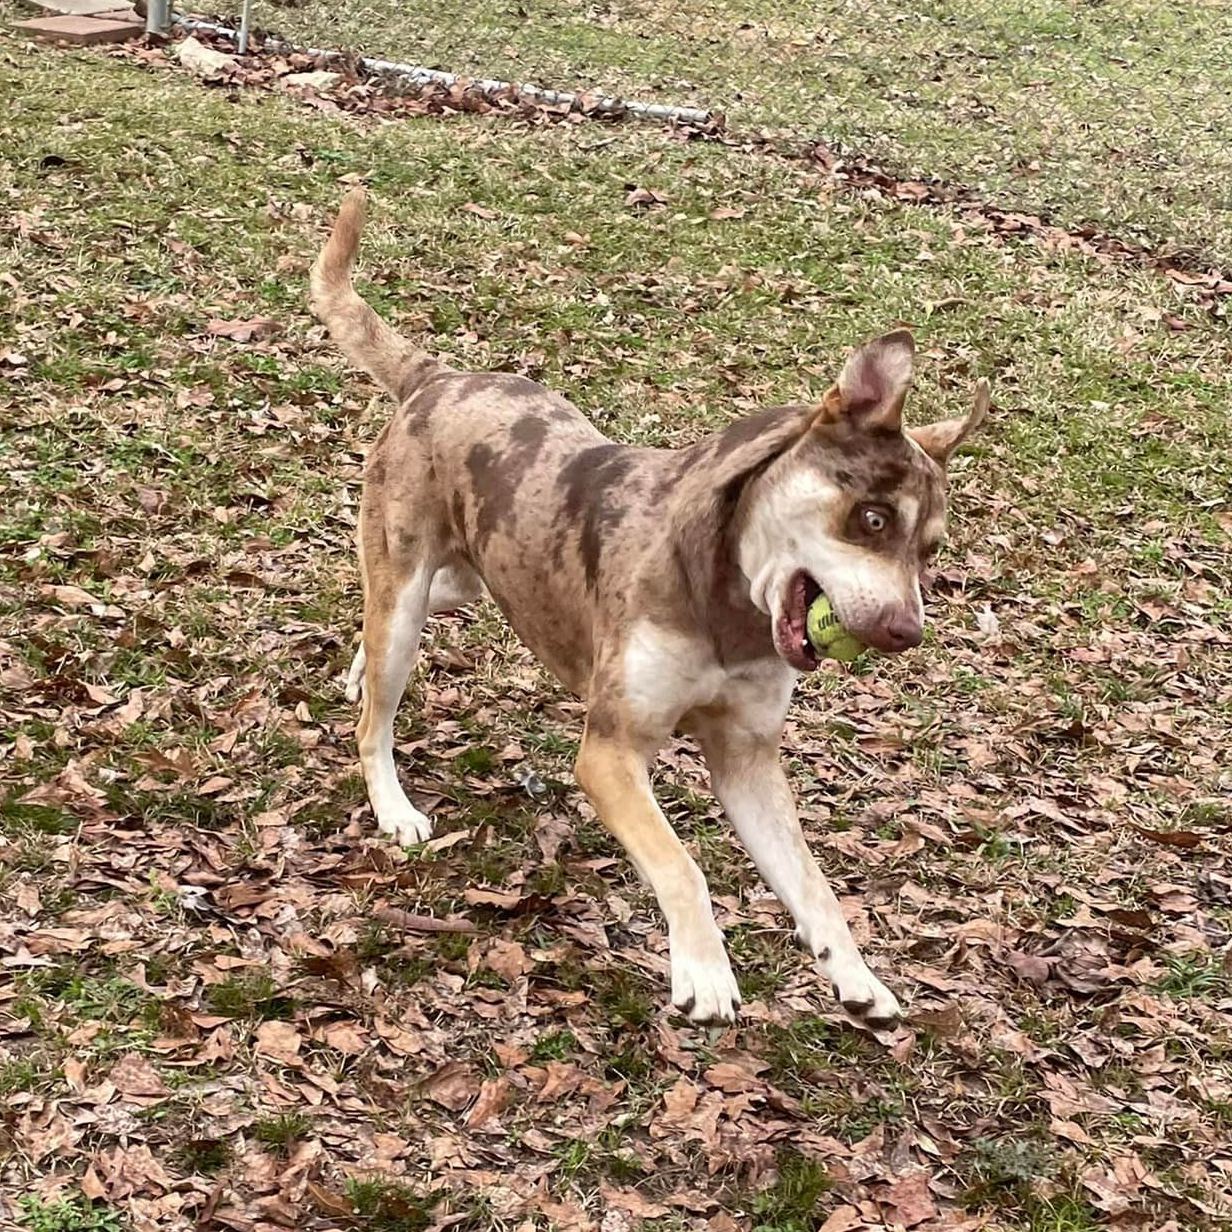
(899, 628)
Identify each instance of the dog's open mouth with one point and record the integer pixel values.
(791, 628)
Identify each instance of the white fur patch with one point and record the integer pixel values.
(667, 673)
(757, 798)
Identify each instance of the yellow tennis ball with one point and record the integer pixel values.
(827, 637)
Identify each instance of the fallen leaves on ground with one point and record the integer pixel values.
(226, 1002)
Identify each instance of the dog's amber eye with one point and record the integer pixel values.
(875, 520)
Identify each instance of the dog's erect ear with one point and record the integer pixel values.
(940, 439)
(873, 384)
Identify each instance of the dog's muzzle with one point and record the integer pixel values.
(896, 627)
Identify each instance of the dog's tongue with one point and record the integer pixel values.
(791, 629)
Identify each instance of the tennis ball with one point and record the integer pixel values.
(827, 637)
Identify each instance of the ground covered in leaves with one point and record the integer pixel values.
(1111, 114)
(226, 1004)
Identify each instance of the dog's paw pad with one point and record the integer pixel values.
(885, 1024)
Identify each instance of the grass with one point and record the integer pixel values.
(283, 1131)
(67, 992)
(1008, 1167)
(1195, 976)
(204, 492)
(553, 1046)
(1109, 114)
(73, 1214)
(1063, 1214)
(249, 994)
(385, 1206)
(205, 1156)
(790, 1203)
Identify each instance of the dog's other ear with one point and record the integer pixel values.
(940, 439)
(873, 385)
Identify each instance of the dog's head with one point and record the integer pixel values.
(855, 508)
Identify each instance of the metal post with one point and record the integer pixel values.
(532, 93)
(157, 16)
(245, 22)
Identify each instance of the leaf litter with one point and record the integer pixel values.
(224, 1003)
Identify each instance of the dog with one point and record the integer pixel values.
(668, 588)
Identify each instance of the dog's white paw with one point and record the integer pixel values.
(703, 986)
(405, 824)
(865, 998)
(355, 677)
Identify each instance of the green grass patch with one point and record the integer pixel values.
(554, 1046)
(385, 1206)
(204, 1156)
(790, 1203)
(283, 1131)
(1194, 976)
(1030, 103)
(251, 994)
(71, 1214)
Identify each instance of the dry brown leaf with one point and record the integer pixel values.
(409, 922)
(70, 596)
(453, 1086)
(494, 1095)
(551, 832)
(633, 1202)
(842, 1219)
(330, 1203)
(1187, 840)
(280, 1041)
(133, 1074)
(733, 1078)
(508, 959)
(27, 898)
(1029, 967)
(561, 1078)
(250, 330)
(345, 1037)
(127, 1171)
(645, 198)
(910, 1199)
(91, 1186)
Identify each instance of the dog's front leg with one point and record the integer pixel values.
(615, 778)
(750, 784)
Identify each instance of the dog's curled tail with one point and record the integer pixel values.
(364, 338)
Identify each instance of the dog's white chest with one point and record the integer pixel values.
(667, 673)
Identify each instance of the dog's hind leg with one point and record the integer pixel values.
(395, 609)
(452, 586)
(355, 677)
(397, 564)
(750, 784)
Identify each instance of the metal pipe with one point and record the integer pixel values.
(157, 14)
(487, 86)
(241, 44)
